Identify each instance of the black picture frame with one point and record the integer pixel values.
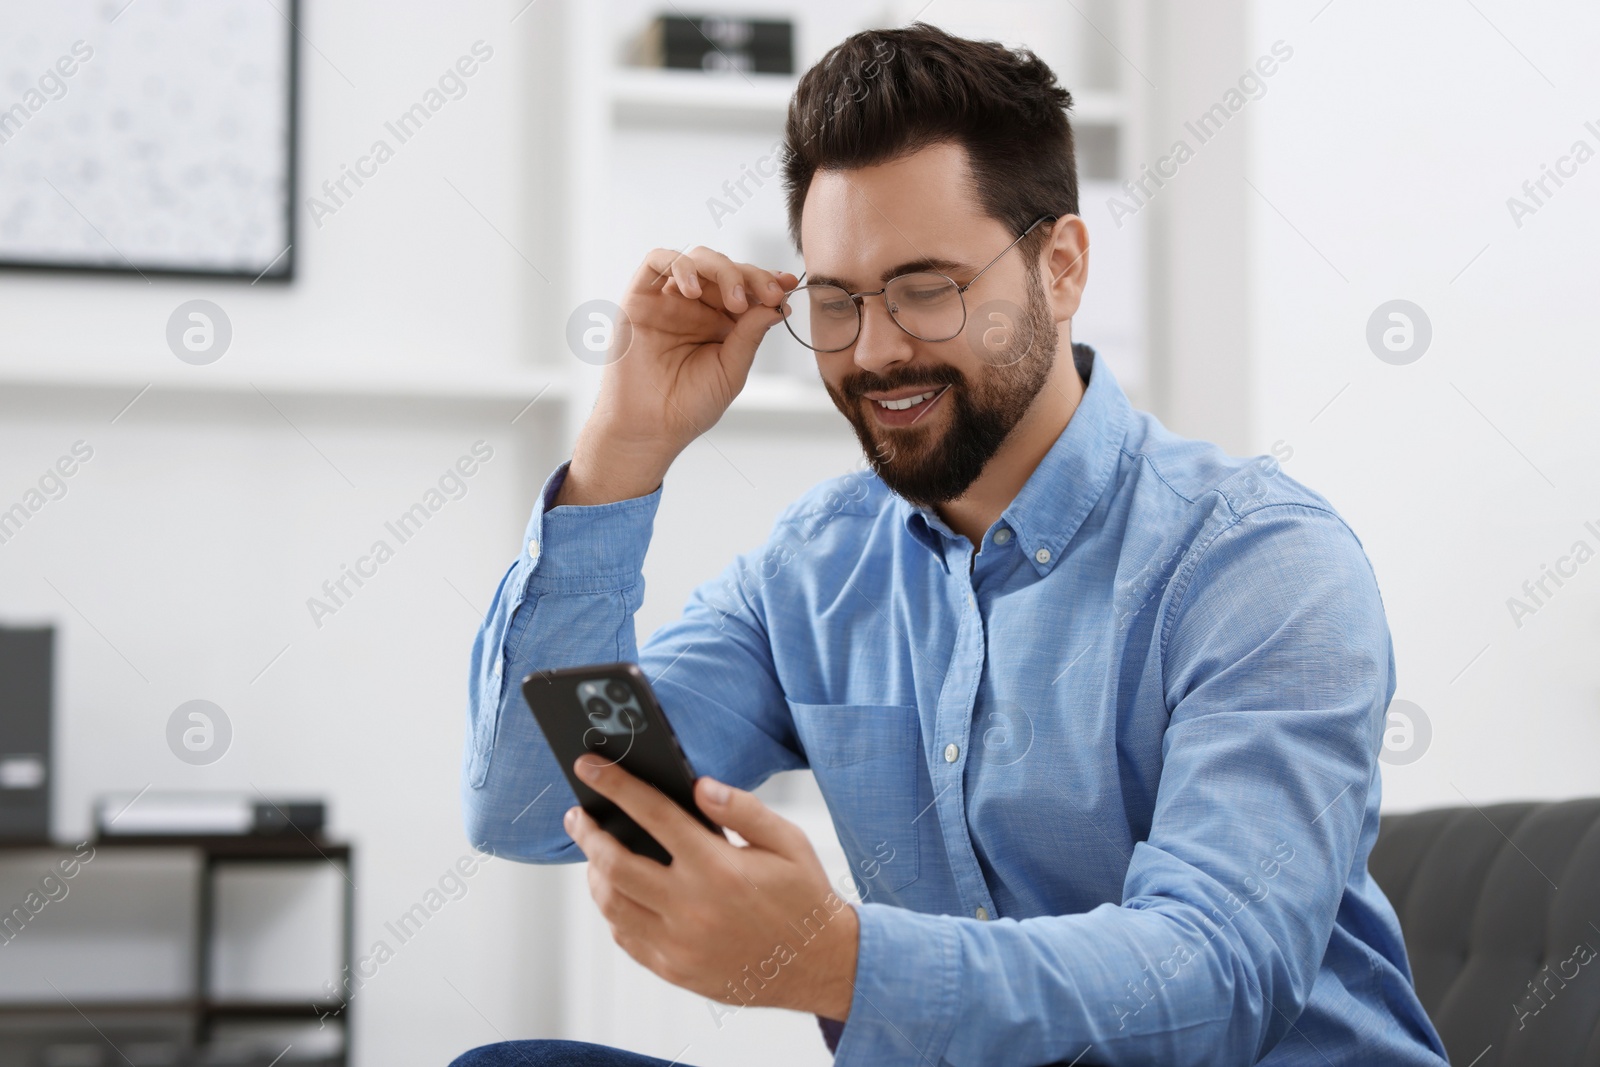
(292, 169)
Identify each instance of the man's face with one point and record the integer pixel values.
(862, 227)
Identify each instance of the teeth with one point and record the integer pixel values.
(908, 402)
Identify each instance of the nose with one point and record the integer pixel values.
(881, 343)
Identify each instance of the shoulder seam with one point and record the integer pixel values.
(1144, 457)
(1197, 552)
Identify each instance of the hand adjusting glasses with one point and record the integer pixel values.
(927, 305)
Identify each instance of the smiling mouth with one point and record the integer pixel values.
(907, 402)
(907, 410)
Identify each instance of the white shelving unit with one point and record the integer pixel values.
(686, 97)
(659, 121)
(647, 150)
(615, 114)
(689, 98)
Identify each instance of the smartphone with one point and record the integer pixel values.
(610, 710)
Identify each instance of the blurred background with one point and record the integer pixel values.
(241, 345)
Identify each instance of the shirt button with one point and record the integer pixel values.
(982, 912)
(533, 549)
(1043, 555)
(951, 753)
(1002, 535)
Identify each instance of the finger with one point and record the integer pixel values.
(655, 271)
(639, 878)
(705, 322)
(696, 315)
(745, 814)
(759, 286)
(762, 286)
(770, 286)
(687, 278)
(740, 286)
(740, 345)
(725, 274)
(710, 276)
(633, 926)
(643, 943)
(669, 824)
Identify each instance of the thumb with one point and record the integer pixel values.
(745, 814)
(739, 347)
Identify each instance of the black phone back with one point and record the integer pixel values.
(610, 710)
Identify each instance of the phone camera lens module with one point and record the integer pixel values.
(617, 691)
(598, 709)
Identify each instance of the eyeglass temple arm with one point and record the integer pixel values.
(1031, 226)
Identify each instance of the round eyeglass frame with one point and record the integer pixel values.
(858, 300)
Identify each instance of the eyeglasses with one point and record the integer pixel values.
(927, 305)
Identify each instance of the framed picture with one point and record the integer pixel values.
(149, 137)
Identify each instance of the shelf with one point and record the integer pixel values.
(297, 1009)
(498, 388)
(1097, 107)
(764, 394)
(288, 846)
(688, 97)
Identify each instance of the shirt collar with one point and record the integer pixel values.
(1066, 484)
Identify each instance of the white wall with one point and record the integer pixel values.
(1198, 306)
(1391, 143)
(179, 562)
(1377, 166)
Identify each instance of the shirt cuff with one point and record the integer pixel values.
(587, 548)
(907, 989)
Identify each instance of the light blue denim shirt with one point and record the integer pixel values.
(1107, 780)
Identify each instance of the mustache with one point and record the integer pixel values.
(867, 382)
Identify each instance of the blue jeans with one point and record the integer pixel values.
(555, 1054)
(583, 1054)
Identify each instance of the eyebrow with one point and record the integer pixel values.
(932, 263)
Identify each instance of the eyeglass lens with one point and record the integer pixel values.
(828, 319)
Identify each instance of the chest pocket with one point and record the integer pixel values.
(867, 762)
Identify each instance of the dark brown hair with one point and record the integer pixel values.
(882, 94)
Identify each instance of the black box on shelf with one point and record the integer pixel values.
(290, 816)
(718, 43)
(201, 814)
(26, 667)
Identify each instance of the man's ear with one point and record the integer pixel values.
(1064, 266)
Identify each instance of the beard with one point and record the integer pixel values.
(927, 468)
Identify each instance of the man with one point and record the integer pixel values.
(1096, 709)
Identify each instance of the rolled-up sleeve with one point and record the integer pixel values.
(1277, 668)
